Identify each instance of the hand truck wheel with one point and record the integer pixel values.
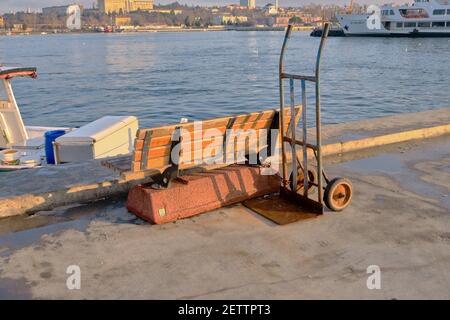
(338, 194)
(312, 177)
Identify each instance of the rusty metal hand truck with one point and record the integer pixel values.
(337, 193)
(294, 201)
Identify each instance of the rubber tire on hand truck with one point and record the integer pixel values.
(338, 194)
(312, 177)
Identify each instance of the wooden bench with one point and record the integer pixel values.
(197, 144)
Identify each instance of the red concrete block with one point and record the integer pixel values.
(200, 192)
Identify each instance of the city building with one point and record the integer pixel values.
(17, 27)
(91, 11)
(250, 4)
(167, 11)
(111, 6)
(145, 5)
(281, 21)
(235, 7)
(2, 22)
(270, 9)
(58, 10)
(120, 21)
(124, 6)
(309, 18)
(228, 19)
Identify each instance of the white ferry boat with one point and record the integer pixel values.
(423, 18)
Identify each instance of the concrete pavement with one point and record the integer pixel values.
(399, 220)
(34, 190)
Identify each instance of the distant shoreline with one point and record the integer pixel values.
(156, 29)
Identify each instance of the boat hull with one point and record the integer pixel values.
(402, 35)
(357, 25)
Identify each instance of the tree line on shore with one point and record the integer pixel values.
(174, 15)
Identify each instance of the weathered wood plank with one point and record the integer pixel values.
(196, 147)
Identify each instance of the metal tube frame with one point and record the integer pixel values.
(292, 140)
(292, 131)
(318, 119)
(281, 128)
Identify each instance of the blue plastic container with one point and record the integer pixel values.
(51, 136)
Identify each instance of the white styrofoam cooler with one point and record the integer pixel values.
(106, 137)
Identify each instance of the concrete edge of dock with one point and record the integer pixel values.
(31, 203)
(385, 139)
(62, 195)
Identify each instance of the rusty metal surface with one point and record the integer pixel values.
(283, 210)
(300, 200)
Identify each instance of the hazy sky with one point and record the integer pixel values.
(15, 5)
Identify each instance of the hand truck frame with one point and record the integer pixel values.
(337, 192)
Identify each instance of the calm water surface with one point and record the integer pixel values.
(161, 77)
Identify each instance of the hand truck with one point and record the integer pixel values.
(294, 202)
(337, 193)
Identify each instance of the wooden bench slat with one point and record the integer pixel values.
(162, 136)
(160, 154)
(211, 123)
(168, 130)
(154, 153)
(200, 159)
(159, 151)
(166, 141)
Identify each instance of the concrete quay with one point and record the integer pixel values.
(30, 191)
(399, 220)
